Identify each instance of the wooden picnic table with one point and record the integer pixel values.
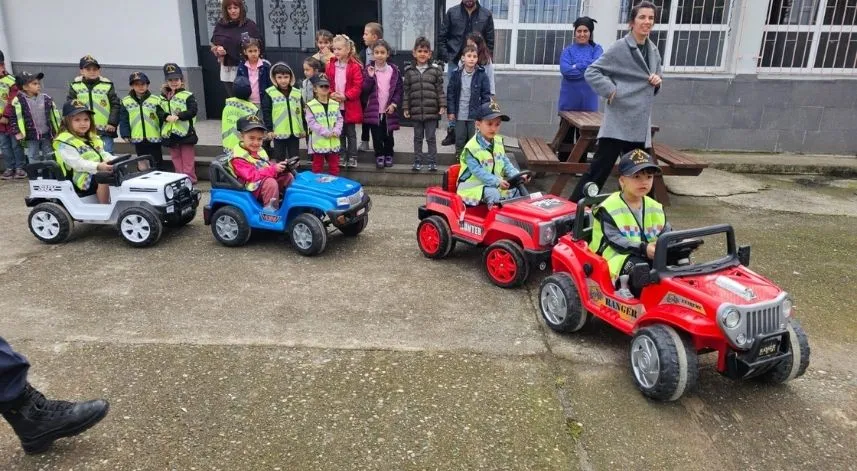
(584, 125)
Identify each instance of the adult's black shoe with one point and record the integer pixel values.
(449, 139)
(38, 421)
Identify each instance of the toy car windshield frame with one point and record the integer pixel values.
(660, 269)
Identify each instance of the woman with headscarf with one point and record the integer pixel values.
(574, 93)
(231, 31)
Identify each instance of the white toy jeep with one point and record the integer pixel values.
(141, 202)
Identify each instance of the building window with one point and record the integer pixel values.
(404, 21)
(531, 34)
(289, 23)
(810, 37)
(691, 35)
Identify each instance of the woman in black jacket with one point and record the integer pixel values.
(231, 31)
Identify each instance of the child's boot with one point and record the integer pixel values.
(379, 161)
(388, 161)
(450, 137)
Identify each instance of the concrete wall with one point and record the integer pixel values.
(741, 113)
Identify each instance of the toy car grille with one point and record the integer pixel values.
(763, 321)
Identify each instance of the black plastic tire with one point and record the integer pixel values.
(790, 369)
(560, 305)
(355, 228)
(505, 264)
(140, 227)
(434, 237)
(230, 227)
(187, 218)
(675, 368)
(50, 223)
(308, 235)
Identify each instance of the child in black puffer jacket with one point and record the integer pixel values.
(424, 102)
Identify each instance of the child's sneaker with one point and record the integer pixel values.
(352, 162)
(20, 173)
(342, 160)
(379, 161)
(417, 167)
(364, 147)
(450, 138)
(8, 174)
(388, 161)
(432, 167)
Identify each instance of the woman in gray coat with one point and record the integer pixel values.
(628, 75)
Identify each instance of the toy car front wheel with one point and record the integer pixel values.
(356, 227)
(50, 223)
(505, 264)
(796, 364)
(229, 226)
(664, 365)
(560, 304)
(140, 227)
(434, 237)
(308, 235)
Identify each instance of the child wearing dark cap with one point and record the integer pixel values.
(249, 163)
(140, 119)
(325, 122)
(99, 95)
(179, 108)
(12, 152)
(35, 119)
(628, 223)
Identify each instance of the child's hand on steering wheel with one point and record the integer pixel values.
(282, 167)
(504, 185)
(104, 167)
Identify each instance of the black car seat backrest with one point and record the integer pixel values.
(220, 176)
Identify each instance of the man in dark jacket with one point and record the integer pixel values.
(459, 21)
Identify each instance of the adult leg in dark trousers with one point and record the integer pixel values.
(154, 149)
(228, 86)
(286, 148)
(605, 158)
(36, 420)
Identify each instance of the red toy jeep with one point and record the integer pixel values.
(518, 233)
(684, 310)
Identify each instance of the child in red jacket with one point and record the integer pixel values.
(346, 81)
(9, 147)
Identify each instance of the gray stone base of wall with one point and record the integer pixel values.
(58, 76)
(742, 113)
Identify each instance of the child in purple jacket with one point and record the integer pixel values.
(35, 120)
(382, 83)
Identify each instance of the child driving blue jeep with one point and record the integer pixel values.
(628, 223)
(249, 163)
(485, 167)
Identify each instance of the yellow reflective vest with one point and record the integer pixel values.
(470, 189)
(6, 83)
(654, 221)
(327, 119)
(143, 118)
(233, 110)
(286, 113)
(261, 162)
(91, 151)
(175, 105)
(96, 99)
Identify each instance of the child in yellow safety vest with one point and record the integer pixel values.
(235, 108)
(35, 119)
(12, 152)
(628, 223)
(99, 95)
(78, 149)
(180, 108)
(282, 113)
(249, 163)
(140, 119)
(325, 122)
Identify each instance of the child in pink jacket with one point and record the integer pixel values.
(249, 163)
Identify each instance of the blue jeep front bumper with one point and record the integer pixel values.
(348, 216)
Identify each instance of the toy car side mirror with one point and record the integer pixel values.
(744, 255)
(641, 275)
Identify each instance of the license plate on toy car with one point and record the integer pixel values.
(186, 210)
(361, 211)
(769, 347)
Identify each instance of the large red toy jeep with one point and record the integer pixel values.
(518, 233)
(684, 310)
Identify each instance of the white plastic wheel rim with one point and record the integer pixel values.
(227, 227)
(46, 225)
(553, 304)
(135, 228)
(302, 236)
(645, 361)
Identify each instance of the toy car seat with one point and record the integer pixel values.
(450, 178)
(220, 177)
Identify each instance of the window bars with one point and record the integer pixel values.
(691, 35)
(531, 34)
(810, 37)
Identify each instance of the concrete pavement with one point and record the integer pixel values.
(373, 357)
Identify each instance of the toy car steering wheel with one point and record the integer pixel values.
(292, 163)
(679, 252)
(517, 180)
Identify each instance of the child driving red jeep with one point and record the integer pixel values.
(628, 223)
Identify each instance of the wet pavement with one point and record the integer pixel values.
(373, 357)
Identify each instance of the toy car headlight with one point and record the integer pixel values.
(343, 201)
(188, 184)
(547, 233)
(169, 192)
(731, 318)
(788, 305)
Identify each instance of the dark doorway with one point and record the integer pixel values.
(348, 17)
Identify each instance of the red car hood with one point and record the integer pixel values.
(545, 207)
(737, 285)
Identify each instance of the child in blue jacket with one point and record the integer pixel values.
(469, 88)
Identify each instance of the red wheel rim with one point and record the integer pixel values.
(429, 238)
(501, 265)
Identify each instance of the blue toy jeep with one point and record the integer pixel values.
(310, 204)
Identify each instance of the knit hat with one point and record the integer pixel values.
(590, 25)
(241, 88)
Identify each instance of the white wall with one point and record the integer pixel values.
(115, 32)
